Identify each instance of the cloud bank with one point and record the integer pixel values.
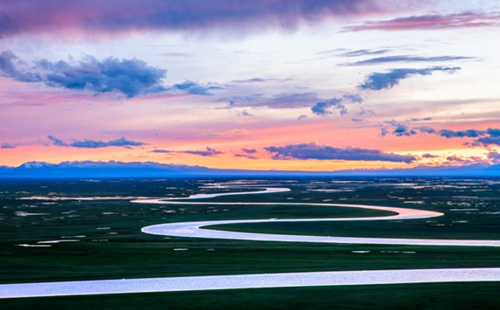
(306, 151)
(117, 16)
(429, 22)
(121, 142)
(485, 138)
(209, 152)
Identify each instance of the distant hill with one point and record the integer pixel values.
(98, 169)
(115, 169)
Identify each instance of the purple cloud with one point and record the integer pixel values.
(379, 81)
(306, 151)
(427, 155)
(249, 151)
(469, 133)
(246, 156)
(162, 151)
(400, 129)
(484, 138)
(429, 22)
(7, 146)
(121, 142)
(464, 160)
(209, 152)
(494, 157)
(116, 16)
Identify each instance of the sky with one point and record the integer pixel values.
(310, 85)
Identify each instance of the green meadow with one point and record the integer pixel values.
(51, 231)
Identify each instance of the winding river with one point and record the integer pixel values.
(329, 278)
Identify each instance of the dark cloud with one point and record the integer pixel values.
(484, 138)
(397, 129)
(454, 158)
(403, 130)
(485, 141)
(464, 160)
(402, 58)
(246, 156)
(208, 153)
(323, 152)
(249, 151)
(324, 108)
(195, 88)
(420, 119)
(57, 142)
(493, 132)
(379, 81)
(130, 77)
(494, 157)
(469, 133)
(489, 137)
(427, 155)
(121, 142)
(430, 22)
(7, 146)
(118, 16)
(161, 151)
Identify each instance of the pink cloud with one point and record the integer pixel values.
(429, 22)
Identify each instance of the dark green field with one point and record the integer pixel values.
(106, 241)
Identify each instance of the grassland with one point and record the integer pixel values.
(107, 242)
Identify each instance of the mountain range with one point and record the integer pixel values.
(115, 169)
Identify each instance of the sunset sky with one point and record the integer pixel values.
(276, 84)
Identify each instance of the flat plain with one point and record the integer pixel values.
(65, 230)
